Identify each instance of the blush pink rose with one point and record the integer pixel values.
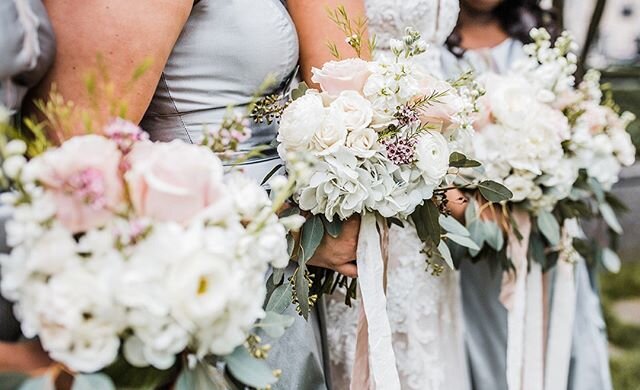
(174, 181)
(346, 75)
(83, 177)
(443, 111)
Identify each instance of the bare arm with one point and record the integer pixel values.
(125, 33)
(315, 30)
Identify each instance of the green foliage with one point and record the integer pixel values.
(426, 219)
(247, 369)
(494, 192)
(92, 382)
(459, 160)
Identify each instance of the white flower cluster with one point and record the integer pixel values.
(175, 262)
(380, 132)
(599, 138)
(519, 141)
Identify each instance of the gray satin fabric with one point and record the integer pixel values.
(225, 52)
(486, 318)
(27, 48)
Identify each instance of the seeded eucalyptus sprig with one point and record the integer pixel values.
(354, 31)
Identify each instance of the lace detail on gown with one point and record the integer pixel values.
(435, 19)
(425, 316)
(424, 311)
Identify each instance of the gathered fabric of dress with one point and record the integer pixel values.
(225, 52)
(424, 310)
(27, 46)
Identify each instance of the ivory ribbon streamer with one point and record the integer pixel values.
(375, 363)
(562, 312)
(533, 373)
(513, 297)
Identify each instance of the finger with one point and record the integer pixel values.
(349, 270)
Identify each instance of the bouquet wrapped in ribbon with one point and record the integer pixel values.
(140, 256)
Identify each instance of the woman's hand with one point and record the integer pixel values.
(339, 254)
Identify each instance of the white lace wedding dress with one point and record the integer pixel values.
(424, 310)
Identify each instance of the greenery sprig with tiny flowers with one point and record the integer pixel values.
(355, 33)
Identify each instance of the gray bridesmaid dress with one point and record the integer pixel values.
(486, 318)
(224, 53)
(27, 48)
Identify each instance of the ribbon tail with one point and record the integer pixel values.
(513, 297)
(374, 345)
(562, 315)
(533, 373)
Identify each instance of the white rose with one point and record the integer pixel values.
(300, 121)
(363, 142)
(333, 134)
(512, 100)
(623, 146)
(357, 110)
(432, 153)
(337, 76)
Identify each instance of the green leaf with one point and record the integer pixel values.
(12, 380)
(493, 235)
(446, 254)
(201, 377)
(536, 249)
(92, 382)
(470, 212)
(278, 275)
(462, 240)
(426, 219)
(274, 324)
(610, 260)
(249, 370)
(610, 217)
(299, 91)
(451, 225)
(280, 299)
(302, 290)
(312, 232)
(44, 382)
(125, 376)
(459, 160)
(333, 228)
(477, 235)
(271, 173)
(494, 192)
(597, 189)
(549, 227)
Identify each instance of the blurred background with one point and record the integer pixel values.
(608, 32)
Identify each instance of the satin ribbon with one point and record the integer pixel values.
(513, 297)
(562, 315)
(533, 366)
(375, 363)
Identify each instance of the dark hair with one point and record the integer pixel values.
(517, 18)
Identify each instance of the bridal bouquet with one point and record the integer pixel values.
(146, 251)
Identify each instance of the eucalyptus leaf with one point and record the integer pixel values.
(278, 275)
(536, 249)
(201, 377)
(462, 240)
(597, 189)
(494, 192)
(92, 382)
(477, 234)
(446, 254)
(44, 382)
(611, 261)
(426, 219)
(452, 225)
(549, 227)
(302, 290)
(280, 299)
(274, 324)
(249, 370)
(610, 217)
(125, 376)
(12, 380)
(291, 245)
(493, 235)
(470, 212)
(312, 232)
(299, 91)
(459, 160)
(333, 228)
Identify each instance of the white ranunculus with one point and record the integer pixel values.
(363, 142)
(357, 110)
(303, 118)
(432, 157)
